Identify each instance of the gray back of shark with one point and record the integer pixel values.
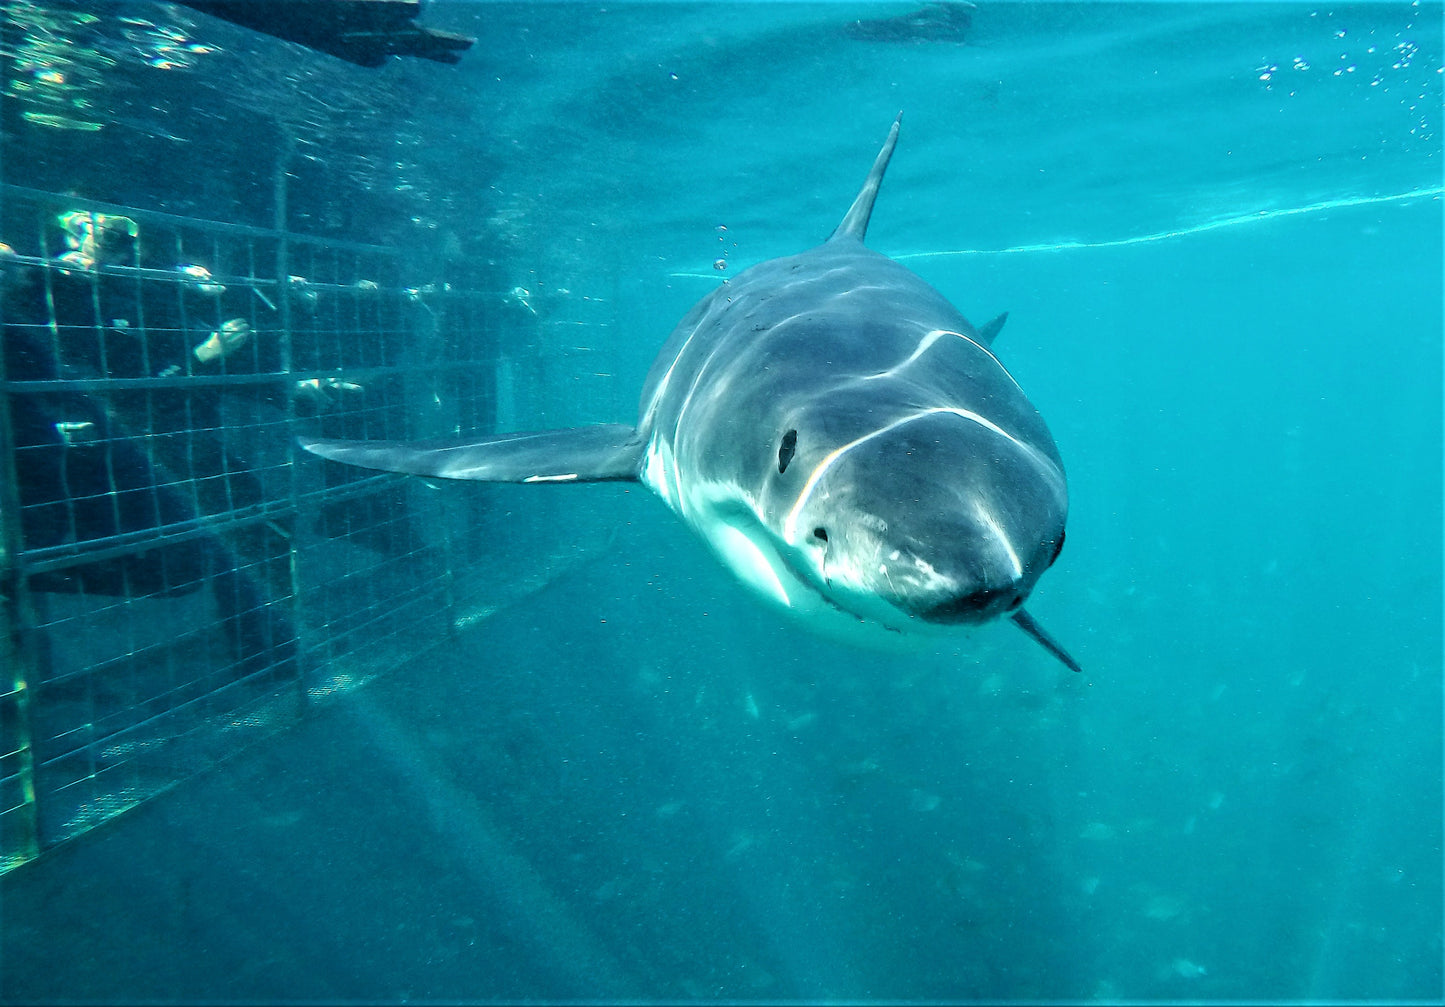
(839, 434)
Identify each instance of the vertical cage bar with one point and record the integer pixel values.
(17, 645)
(21, 834)
(287, 367)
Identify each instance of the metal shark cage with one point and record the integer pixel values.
(174, 584)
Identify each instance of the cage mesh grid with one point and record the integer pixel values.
(174, 586)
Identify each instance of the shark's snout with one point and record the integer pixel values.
(976, 606)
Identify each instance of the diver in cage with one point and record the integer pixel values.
(94, 464)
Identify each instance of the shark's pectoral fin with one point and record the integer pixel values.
(1026, 623)
(607, 452)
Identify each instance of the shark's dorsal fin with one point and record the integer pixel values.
(855, 223)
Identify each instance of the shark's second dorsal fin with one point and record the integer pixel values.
(989, 332)
(855, 223)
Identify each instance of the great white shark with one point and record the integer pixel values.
(844, 440)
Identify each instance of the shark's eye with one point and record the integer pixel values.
(821, 534)
(786, 449)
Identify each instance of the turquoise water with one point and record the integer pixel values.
(1217, 228)
(1241, 796)
(1238, 348)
